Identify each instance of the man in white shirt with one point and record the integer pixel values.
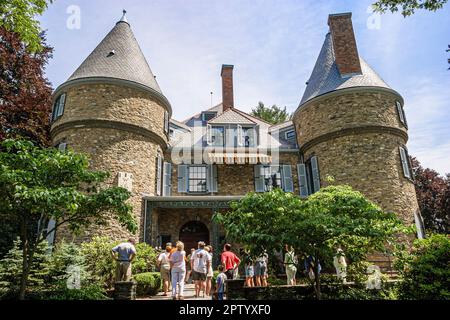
(124, 254)
(200, 263)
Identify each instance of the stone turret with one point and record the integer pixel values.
(112, 109)
(353, 125)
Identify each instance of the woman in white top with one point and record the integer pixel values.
(164, 268)
(178, 265)
(210, 273)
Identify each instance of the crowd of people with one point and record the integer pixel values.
(178, 269)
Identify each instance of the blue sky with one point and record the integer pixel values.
(273, 45)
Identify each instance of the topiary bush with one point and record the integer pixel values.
(425, 271)
(148, 283)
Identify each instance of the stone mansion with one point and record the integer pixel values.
(349, 124)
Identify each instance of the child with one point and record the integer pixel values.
(220, 287)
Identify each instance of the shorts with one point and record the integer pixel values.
(249, 271)
(260, 269)
(165, 274)
(198, 276)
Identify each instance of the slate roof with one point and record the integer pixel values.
(326, 77)
(281, 126)
(118, 56)
(231, 116)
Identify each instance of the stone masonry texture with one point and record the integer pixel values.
(113, 149)
(369, 161)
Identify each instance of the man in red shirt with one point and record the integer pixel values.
(229, 261)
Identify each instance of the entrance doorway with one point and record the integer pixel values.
(193, 232)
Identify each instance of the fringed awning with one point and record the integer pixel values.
(239, 158)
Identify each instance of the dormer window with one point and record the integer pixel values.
(58, 106)
(206, 116)
(290, 134)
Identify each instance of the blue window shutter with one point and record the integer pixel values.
(288, 184)
(405, 163)
(182, 178)
(315, 174)
(167, 179)
(166, 122)
(302, 180)
(158, 174)
(259, 179)
(211, 179)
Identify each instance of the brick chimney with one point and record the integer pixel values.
(227, 86)
(344, 43)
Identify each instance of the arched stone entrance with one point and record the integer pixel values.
(193, 232)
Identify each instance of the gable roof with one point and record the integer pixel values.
(326, 78)
(231, 116)
(118, 56)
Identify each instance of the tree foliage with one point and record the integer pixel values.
(407, 7)
(39, 184)
(425, 271)
(25, 93)
(433, 195)
(20, 17)
(335, 217)
(273, 115)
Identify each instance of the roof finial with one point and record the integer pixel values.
(124, 16)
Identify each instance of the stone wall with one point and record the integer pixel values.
(114, 148)
(117, 151)
(356, 137)
(346, 110)
(115, 103)
(239, 179)
(170, 221)
(370, 163)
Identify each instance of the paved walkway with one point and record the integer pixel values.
(189, 292)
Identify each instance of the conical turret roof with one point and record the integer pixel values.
(118, 56)
(326, 78)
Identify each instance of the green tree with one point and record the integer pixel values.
(273, 115)
(11, 268)
(335, 217)
(408, 7)
(38, 184)
(425, 271)
(19, 16)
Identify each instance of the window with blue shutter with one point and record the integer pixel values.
(315, 174)
(288, 184)
(212, 179)
(182, 178)
(167, 179)
(58, 106)
(401, 113)
(302, 180)
(406, 163)
(166, 122)
(259, 179)
(158, 174)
